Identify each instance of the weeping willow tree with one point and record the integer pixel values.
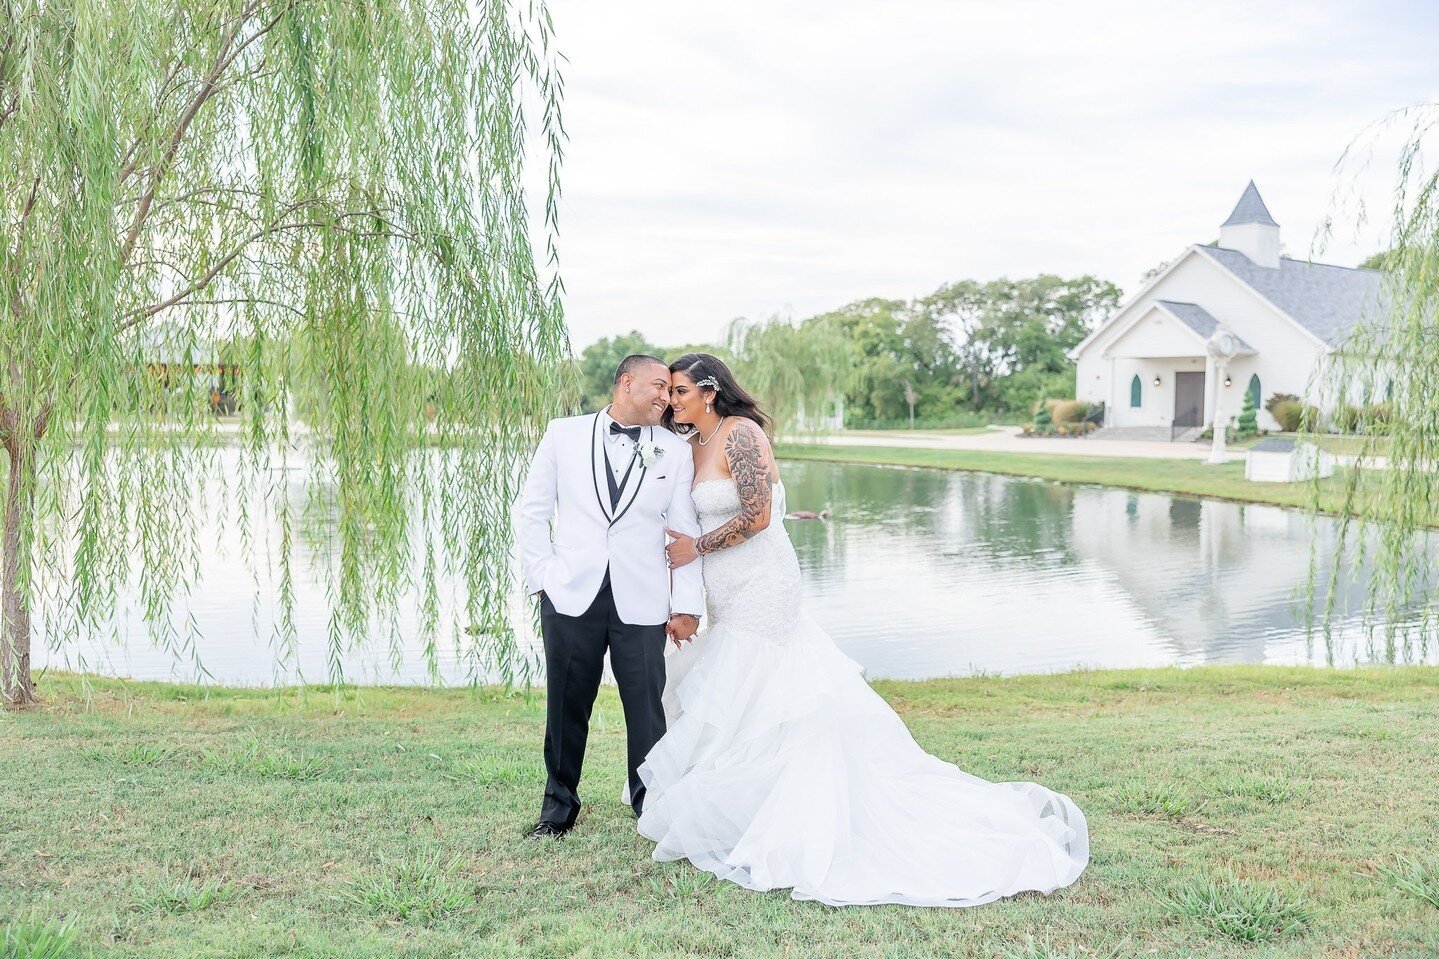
(799, 373)
(1382, 385)
(321, 202)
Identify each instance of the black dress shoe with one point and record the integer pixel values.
(549, 830)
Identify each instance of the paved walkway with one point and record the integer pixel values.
(1007, 439)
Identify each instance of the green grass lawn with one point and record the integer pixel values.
(1184, 477)
(1298, 807)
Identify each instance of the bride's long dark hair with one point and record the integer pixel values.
(730, 399)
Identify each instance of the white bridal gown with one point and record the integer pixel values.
(783, 769)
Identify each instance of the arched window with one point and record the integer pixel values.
(1136, 391)
(1254, 391)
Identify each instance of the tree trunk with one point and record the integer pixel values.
(16, 687)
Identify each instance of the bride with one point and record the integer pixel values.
(781, 767)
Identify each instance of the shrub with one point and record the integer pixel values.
(1042, 419)
(1276, 399)
(1347, 417)
(1294, 414)
(1378, 418)
(1067, 411)
(1247, 425)
(1287, 413)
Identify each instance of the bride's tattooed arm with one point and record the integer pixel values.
(748, 466)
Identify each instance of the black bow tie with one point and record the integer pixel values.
(633, 432)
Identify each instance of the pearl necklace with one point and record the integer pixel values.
(704, 441)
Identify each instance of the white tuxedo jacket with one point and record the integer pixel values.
(566, 481)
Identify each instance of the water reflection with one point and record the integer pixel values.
(918, 573)
(973, 572)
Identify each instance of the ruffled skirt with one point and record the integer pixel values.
(782, 768)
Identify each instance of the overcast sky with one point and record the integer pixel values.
(786, 157)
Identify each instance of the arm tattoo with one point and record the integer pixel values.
(751, 479)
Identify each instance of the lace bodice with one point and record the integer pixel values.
(757, 583)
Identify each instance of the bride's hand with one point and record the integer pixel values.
(682, 551)
(681, 629)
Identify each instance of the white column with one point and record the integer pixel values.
(1109, 407)
(1217, 451)
(1211, 392)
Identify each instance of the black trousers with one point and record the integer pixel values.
(574, 661)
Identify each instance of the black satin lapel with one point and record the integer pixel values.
(594, 470)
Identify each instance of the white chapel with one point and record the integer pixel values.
(1220, 320)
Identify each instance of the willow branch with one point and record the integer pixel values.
(193, 195)
(207, 89)
(132, 155)
(14, 103)
(229, 53)
(24, 216)
(209, 276)
(258, 33)
(263, 301)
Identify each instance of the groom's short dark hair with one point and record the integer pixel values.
(633, 362)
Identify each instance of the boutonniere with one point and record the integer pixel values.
(648, 453)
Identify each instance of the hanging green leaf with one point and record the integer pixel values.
(312, 212)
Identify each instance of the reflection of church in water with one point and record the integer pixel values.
(966, 571)
(1217, 580)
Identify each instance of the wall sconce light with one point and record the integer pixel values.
(1156, 381)
(1228, 381)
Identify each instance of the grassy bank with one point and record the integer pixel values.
(1184, 477)
(1288, 804)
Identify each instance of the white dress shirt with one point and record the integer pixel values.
(618, 444)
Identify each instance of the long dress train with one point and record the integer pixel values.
(782, 768)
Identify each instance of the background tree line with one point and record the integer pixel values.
(967, 349)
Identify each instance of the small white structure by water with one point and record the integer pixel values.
(1287, 318)
(1280, 460)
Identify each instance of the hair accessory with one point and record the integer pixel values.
(709, 381)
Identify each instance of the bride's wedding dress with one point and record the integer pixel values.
(783, 769)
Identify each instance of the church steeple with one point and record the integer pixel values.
(1250, 209)
(1251, 230)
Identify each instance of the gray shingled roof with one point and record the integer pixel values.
(1250, 209)
(1198, 319)
(1329, 301)
(1273, 444)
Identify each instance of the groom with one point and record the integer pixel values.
(611, 481)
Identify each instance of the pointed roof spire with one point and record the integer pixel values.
(1250, 209)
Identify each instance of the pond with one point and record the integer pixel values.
(916, 574)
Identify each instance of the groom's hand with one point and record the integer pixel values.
(682, 551)
(681, 628)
